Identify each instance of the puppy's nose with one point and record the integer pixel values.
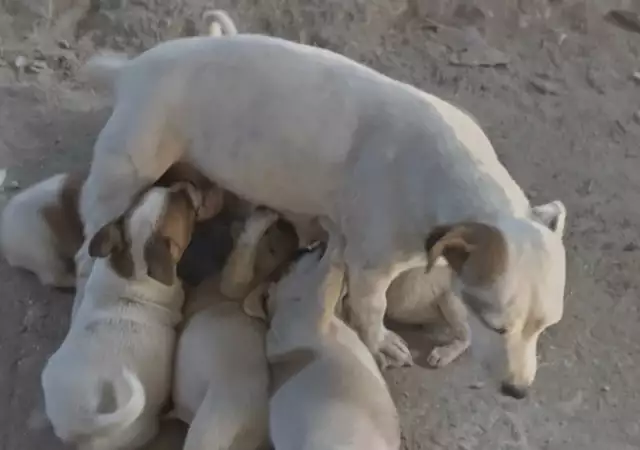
(516, 392)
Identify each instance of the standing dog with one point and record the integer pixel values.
(303, 130)
(327, 391)
(106, 384)
(221, 374)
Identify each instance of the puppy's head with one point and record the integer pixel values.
(512, 276)
(149, 239)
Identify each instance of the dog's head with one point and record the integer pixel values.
(149, 239)
(512, 276)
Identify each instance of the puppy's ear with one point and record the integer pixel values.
(109, 239)
(254, 303)
(160, 263)
(207, 200)
(478, 246)
(552, 215)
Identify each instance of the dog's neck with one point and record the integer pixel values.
(105, 288)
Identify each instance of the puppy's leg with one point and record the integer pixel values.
(455, 314)
(238, 272)
(366, 304)
(234, 419)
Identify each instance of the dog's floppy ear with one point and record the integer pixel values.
(553, 215)
(482, 246)
(160, 263)
(207, 200)
(254, 304)
(109, 239)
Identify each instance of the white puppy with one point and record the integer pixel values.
(304, 130)
(106, 384)
(41, 230)
(327, 391)
(221, 374)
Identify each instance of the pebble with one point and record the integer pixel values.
(476, 385)
(20, 62)
(605, 388)
(63, 44)
(545, 86)
(36, 66)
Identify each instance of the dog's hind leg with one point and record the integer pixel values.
(455, 314)
(234, 419)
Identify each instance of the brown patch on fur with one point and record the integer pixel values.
(288, 365)
(64, 220)
(478, 246)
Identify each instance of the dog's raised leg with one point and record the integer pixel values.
(455, 314)
(239, 269)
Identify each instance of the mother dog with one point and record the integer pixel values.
(311, 133)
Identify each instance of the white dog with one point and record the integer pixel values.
(221, 374)
(303, 130)
(41, 230)
(326, 391)
(108, 381)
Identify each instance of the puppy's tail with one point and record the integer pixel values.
(220, 23)
(102, 70)
(107, 423)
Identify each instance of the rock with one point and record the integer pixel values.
(476, 385)
(63, 44)
(20, 62)
(36, 66)
(626, 20)
(544, 85)
(631, 247)
(636, 77)
(480, 56)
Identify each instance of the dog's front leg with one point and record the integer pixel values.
(367, 303)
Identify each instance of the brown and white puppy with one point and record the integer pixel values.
(41, 230)
(221, 374)
(327, 390)
(106, 384)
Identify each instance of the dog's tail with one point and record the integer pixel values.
(102, 70)
(104, 424)
(219, 23)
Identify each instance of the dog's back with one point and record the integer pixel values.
(41, 231)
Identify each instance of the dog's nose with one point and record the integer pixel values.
(516, 392)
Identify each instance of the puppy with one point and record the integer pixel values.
(41, 230)
(327, 391)
(416, 297)
(221, 374)
(108, 381)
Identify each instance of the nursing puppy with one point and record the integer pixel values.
(41, 230)
(303, 130)
(106, 384)
(221, 374)
(327, 391)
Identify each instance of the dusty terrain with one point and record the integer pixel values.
(551, 81)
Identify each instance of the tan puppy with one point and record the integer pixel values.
(416, 297)
(327, 391)
(41, 230)
(106, 384)
(221, 374)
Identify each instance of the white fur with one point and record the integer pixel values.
(304, 130)
(221, 374)
(337, 398)
(26, 239)
(120, 325)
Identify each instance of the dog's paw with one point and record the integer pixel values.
(393, 352)
(445, 354)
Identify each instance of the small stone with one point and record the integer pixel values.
(36, 66)
(605, 388)
(544, 85)
(20, 62)
(476, 385)
(626, 20)
(636, 77)
(631, 247)
(63, 44)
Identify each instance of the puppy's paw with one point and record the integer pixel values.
(393, 351)
(445, 354)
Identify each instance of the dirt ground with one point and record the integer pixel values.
(551, 81)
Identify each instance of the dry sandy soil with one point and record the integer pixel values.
(552, 83)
